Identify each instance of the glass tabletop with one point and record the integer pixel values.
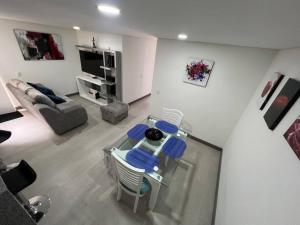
(165, 171)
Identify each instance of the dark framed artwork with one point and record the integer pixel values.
(39, 46)
(269, 89)
(292, 136)
(283, 102)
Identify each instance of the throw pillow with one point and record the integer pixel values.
(41, 88)
(38, 97)
(56, 99)
(24, 87)
(15, 82)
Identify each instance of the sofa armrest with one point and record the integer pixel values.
(45, 109)
(65, 117)
(47, 113)
(67, 107)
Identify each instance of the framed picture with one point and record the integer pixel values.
(198, 71)
(283, 102)
(269, 89)
(292, 136)
(39, 46)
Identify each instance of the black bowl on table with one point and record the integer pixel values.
(153, 136)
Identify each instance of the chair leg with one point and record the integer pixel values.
(136, 202)
(166, 161)
(119, 192)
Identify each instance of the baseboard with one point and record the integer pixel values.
(139, 99)
(10, 116)
(205, 143)
(72, 94)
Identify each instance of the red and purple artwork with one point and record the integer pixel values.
(39, 46)
(282, 103)
(292, 136)
(269, 89)
(198, 71)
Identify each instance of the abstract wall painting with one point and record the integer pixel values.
(292, 136)
(198, 71)
(269, 89)
(39, 46)
(283, 102)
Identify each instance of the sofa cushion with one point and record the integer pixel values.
(56, 99)
(38, 97)
(48, 92)
(15, 82)
(24, 87)
(42, 88)
(67, 99)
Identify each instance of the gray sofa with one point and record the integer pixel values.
(60, 117)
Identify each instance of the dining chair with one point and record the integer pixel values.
(130, 179)
(173, 116)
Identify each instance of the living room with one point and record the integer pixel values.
(196, 95)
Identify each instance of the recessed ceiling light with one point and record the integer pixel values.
(182, 36)
(109, 9)
(76, 28)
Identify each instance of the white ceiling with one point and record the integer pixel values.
(253, 23)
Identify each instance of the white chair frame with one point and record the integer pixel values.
(173, 116)
(129, 179)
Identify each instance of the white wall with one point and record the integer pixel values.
(57, 74)
(210, 112)
(260, 173)
(102, 40)
(138, 67)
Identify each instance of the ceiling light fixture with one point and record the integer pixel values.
(182, 36)
(76, 28)
(109, 9)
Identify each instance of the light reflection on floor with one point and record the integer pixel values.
(26, 130)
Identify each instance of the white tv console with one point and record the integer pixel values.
(107, 89)
(86, 82)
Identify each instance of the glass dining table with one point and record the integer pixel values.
(161, 174)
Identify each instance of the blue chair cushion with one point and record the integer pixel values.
(166, 127)
(141, 159)
(146, 186)
(137, 132)
(174, 148)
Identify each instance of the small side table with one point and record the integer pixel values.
(114, 112)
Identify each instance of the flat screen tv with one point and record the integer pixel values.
(91, 62)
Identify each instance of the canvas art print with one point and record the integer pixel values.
(283, 102)
(269, 89)
(292, 136)
(39, 46)
(198, 71)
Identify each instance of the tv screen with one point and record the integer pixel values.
(91, 62)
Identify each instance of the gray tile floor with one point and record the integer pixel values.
(71, 171)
